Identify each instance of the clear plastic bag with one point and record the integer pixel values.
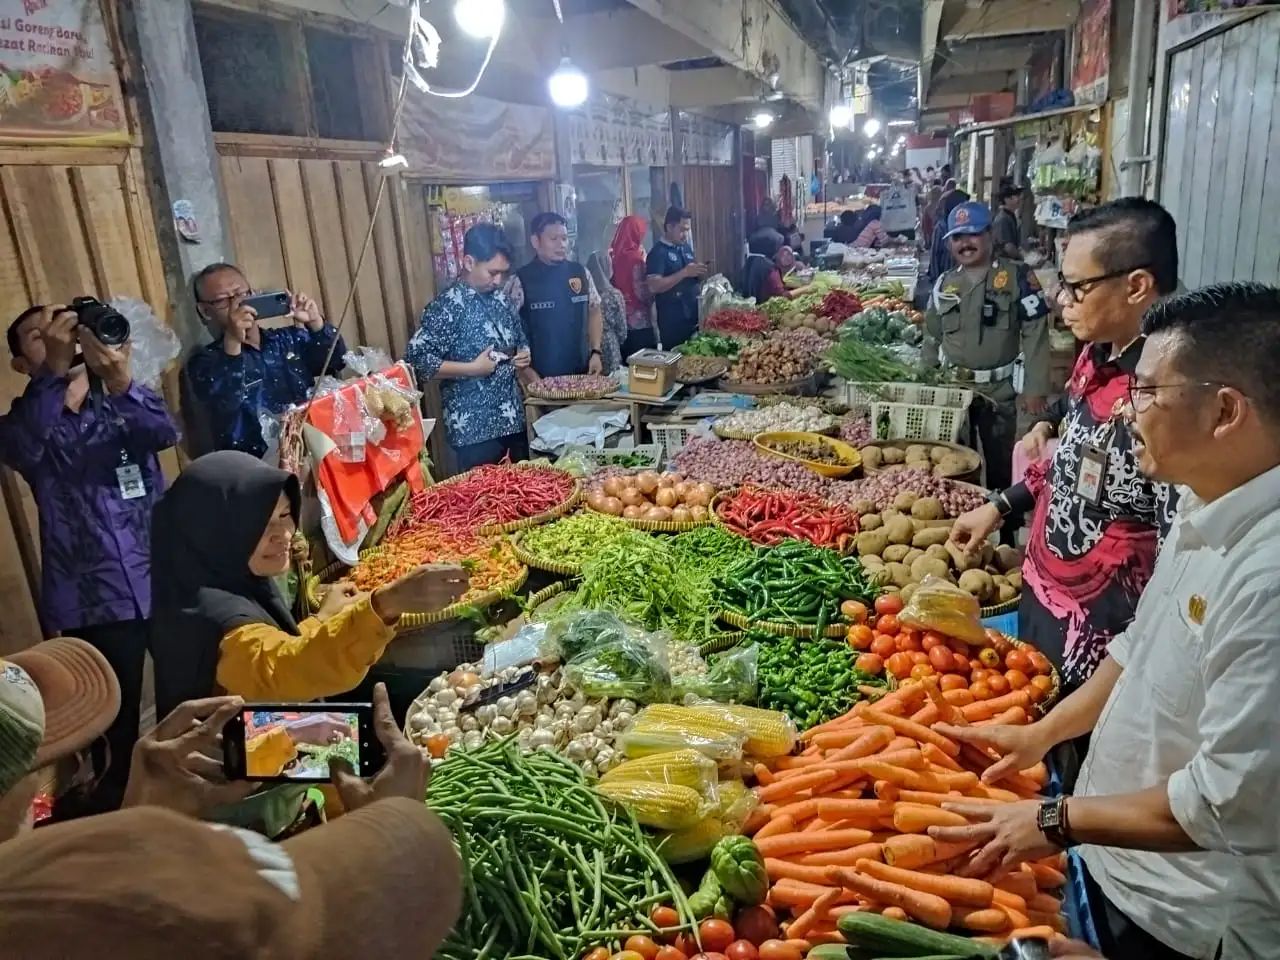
(727, 678)
(152, 343)
(682, 768)
(364, 361)
(350, 435)
(944, 607)
(768, 733)
(662, 727)
(389, 404)
(659, 805)
(605, 657)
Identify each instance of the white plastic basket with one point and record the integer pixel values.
(914, 421)
(672, 437)
(866, 394)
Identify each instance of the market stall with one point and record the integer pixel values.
(706, 725)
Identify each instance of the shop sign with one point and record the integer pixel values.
(58, 79)
(1091, 37)
(476, 140)
(610, 131)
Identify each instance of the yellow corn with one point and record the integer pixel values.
(692, 843)
(684, 768)
(687, 718)
(736, 803)
(661, 805)
(769, 733)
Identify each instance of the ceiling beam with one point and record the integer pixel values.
(993, 81)
(931, 20)
(1008, 18)
(713, 87)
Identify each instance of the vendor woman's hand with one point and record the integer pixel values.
(1009, 834)
(972, 528)
(336, 599)
(595, 366)
(483, 364)
(430, 587)
(523, 359)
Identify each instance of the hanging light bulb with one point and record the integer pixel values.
(841, 115)
(871, 127)
(568, 86)
(762, 120)
(871, 154)
(481, 19)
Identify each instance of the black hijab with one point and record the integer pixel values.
(203, 532)
(763, 247)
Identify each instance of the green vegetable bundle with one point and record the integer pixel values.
(812, 681)
(879, 327)
(860, 362)
(794, 583)
(704, 553)
(571, 540)
(709, 345)
(548, 871)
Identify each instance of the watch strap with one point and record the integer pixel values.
(1052, 820)
(997, 499)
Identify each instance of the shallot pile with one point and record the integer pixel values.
(772, 361)
(855, 430)
(802, 338)
(652, 496)
(729, 463)
(582, 383)
(883, 487)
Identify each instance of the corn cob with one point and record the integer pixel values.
(692, 843)
(661, 805)
(691, 718)
(769, 733)
(683, 768)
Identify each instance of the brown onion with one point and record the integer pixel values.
(681, 515)
(631, 497)
(612, 487)
(657, 513)
(632, 512)
(666, 497)
(611, 505)
(647, 482)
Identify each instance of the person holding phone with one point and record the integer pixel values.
(674, 276)
(248, 370)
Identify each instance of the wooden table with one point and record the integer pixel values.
(534, 408)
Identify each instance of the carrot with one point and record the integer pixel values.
(928, 908)
(796, 763)
(841, 910)
(799, 811)
(782, 789)
(986, 709)
(1010, 900)
(918, 818)
(810, 751)
(966, 780)
(803, 923)
(1016, 917)
(1033, 933)
(854, 809)
(797, 894)
(819, 937)
(775, 827)
(1039, 773)
(764, 776)
(817, 823)
(935, 756)
(804, 946)
(938, 799)
(983, 921)
(872, 740)
(959, 698)
(878, 770)
(896, 704)
(1047, 877)
(1055, 920)
(1058, 861)
(927, 715)
(1043, 903)
(758, 818)
(792, 843)
(841, 858)
(985, 792)
(948, 712)
(785, 869)
(895, 913)
(909, 850)
(901, 743)
(958, 891)
(886, 791)
(1020, 884)
(913, 730)
(1015, 716)
(837, 723)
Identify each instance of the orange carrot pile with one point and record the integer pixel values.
(844, 825)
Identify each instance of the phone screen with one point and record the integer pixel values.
(283, 744)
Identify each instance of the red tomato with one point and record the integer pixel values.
(958, 646)
(742, 950)
(670, 953)
(870, 663)
(861, 637)
(716, 935)
(918, 657)
(599, 953)
(883, 646)
(1018, 660)
(686, 944)
(888, 603)
(980, 690)
(953, 681)
(1039, 662)
(756, 924)
(998, 684)
(899, 665)
(627, 955)
(1017, 679)
(778, 950)
(643, 946)
(665, 917)
(889, 624)
(978, 675)
(931, 640)
(975, 665)
(709, 956)
(942, 659)
(922, 670)
(1043, 684)
(961, 663)
(855, 611)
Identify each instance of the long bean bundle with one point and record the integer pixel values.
(549, 870)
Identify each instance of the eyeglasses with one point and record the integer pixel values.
(1079, 289)
(1142, 397)
(227, 299)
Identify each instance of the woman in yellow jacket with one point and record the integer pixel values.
(219, 625)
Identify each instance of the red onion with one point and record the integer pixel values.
(881, 488)
(728, 463)
(584, 383)
(855, 430)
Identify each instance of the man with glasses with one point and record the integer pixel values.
(248, 371)
(981, 316)
(1175, 809)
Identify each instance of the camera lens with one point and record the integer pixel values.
(105, 322)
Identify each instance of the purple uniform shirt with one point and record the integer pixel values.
(95, 544)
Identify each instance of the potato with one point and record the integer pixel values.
(917, 450)
(872, 562)
(893, 455)
(899, 530)
(927, 566)
(928, 508)
(872, 457)
(896, 553)
(872, 542)
(1015, 578)
(939, 552)
(908, 592)
(878, 575)
(864, 506)
(978, 583)
(912, 556)
(905, 500)
(951, 467)
(889, 512)
(960, 560)
(937, 454)
(1005, 593)
(988, 553)
(1008, 558)
(871, 521)
(930, 537)
(899, 574)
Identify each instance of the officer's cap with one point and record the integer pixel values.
(970, 218)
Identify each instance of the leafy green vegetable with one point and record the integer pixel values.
(709, 345)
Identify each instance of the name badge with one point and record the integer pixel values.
(132, 486)
(1093, 473)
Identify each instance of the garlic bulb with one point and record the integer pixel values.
(605, 729)
(565, 710)
(576, 751)
(587, 719)
(438, 684)
(502, 726)
(473, 740)
(446, 698)
(543, 722)
(545, 689)
(485, 714)
(542, 740)
(506, 707)
(467, 723)
(622, 706)
(591, 744)
(605, 758)
(526, 703)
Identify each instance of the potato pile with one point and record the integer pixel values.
(777, 360)
(797, 321)
(904, 543)
(939, 460)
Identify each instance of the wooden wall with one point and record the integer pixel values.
(75, 221)
(714, 196)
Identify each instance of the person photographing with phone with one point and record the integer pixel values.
(248, 370)
(89, 454)
(674, 276)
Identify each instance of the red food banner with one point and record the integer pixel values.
(1091, 72)
(58, 78)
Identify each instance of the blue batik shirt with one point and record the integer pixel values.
(457, 327)
(270, 378)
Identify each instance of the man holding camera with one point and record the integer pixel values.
(85, 437)
(248, 370)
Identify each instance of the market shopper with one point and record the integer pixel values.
(1005, 232)
(1175, 808)
(559, 304)
(940, 260)
(981, 316)
(249, 372)
(1091, 544)
(761, 278)
(872, 235)
(627, 255)
(221, 533)
(472, 340)
(673, 279)
(90, 458)
(613, 308)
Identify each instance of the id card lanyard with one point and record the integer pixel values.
(1091, 482)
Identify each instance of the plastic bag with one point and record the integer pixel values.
(728, 678)
(605, 657)
(349, 433)
(769, 733)
(695, 843)
(944, 607)
(717, 293)
(390, 404)
(659, 805)
(662, 727)
(365, 361)
(681, 768)
(153, 344)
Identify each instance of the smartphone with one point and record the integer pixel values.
(269, 305)
(292, 742)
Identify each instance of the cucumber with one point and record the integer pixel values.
(894, 938)
(835, 951)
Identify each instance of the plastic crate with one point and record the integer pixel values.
(865, 394)
(651, 450)
(673, 437)
(913, 421)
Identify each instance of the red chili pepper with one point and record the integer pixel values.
(491, 494)
(766, 516)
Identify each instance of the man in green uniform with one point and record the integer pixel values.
(981, 316)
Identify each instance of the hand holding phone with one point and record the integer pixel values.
(405, 773)
(295, 742)
(268, 306)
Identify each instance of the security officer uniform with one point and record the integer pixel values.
(977, 324)
(555, 312)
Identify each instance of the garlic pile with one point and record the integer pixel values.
(550, 715)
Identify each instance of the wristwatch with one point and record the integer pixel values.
(998, 500)
(1051, 818)
(597, 352)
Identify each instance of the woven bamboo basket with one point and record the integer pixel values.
(537, 519)
(662, 526)
(973, 458)
(833, 630)
(542, 598)
(327, 574)
(705, 378)
(1000, 609)
(797, 386)
(415, 621)
(539, 563)
(533, 393)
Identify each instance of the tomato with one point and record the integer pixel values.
(855, 611)
(643, 946)
(686, 944)
(869, 663)
(599, 953)
(709, 956)
(958, 646)
(888, 604)
(1017, 679)
(902, 642)
(962, 663)
(922, 670)
(742, 950)
(1039, 662)
(941, 659)
(918, 657)
(988, 657)
(998, 684)
(980, 690)
(975, 665)
(932, 638)
(1018, 660)
(979, 676)
(628, 955)
(889, 624)
(438, 745)
(756, 925)
(716, 935)
(1042, 683)
(883, 646)
(665, 917)
(861, 637)
(670, 953)
(899, 664)
(778, 950)
(953, 681)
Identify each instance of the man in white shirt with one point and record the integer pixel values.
(1177, 808)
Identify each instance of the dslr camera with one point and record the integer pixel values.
(104, 321)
